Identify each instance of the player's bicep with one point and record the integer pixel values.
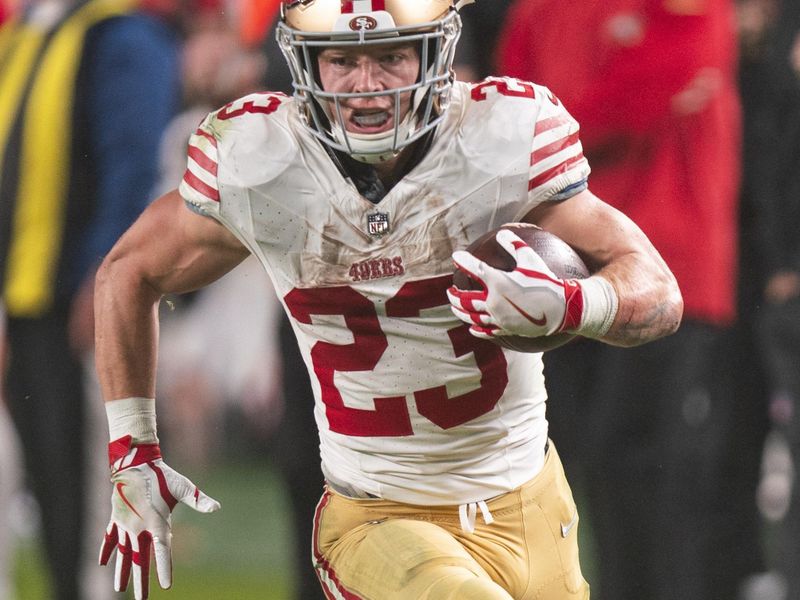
(172, 249)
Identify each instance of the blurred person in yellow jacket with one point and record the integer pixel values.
(86, 88)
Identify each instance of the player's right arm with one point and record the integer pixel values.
(169, 249)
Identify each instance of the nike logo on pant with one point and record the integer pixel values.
(565, 529)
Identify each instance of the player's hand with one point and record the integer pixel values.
(528, 301)
(145, 492)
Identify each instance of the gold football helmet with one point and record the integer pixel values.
(308, 26)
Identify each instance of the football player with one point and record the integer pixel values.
(357, 195)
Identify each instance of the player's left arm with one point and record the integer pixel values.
(650, 304)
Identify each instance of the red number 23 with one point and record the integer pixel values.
(390, 416)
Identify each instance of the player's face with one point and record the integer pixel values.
(374, 69)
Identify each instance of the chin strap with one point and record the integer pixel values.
(462, 3)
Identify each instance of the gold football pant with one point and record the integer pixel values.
(375, 549)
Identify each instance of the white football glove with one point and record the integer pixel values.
(529, 301)
(145, 492)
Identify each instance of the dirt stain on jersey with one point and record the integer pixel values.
(422, 251)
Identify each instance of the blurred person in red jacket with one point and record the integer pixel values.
(653, 84)
(8, 8)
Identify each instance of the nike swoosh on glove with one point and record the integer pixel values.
(145, 492)
(528, 301)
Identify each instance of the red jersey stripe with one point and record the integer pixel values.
(551, 123)
(197, 155)
(559, 169)
(208, 136)
(554, 147)
(198, 185)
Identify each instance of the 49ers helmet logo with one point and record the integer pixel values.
(363, 22)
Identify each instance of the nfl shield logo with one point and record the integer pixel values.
(377, 223)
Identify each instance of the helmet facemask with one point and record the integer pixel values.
(429, 94)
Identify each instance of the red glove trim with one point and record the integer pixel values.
(164, 488)
(109, 545)
(126, 552)
(573, 297)
(142, 560)
(121, 447)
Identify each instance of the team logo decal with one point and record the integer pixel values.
(363, 23)
(377, 223)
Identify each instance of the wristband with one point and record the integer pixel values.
(135, 417)
(600, 303)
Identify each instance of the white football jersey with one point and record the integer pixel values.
(409, 405)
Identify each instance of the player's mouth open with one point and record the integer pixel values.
(371, 121)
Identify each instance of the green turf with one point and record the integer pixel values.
(29, 578)
(192, 582)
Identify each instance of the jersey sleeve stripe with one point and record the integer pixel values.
(551, 123)
(207, 136)
(559, 169)
(203, 160)
(202, 174)
(197, 184)
(548, 150)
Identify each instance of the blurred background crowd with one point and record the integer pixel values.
(683, 453)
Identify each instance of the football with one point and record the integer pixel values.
(555, 252)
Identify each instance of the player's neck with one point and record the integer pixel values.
(374, 181)
(393, 170)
